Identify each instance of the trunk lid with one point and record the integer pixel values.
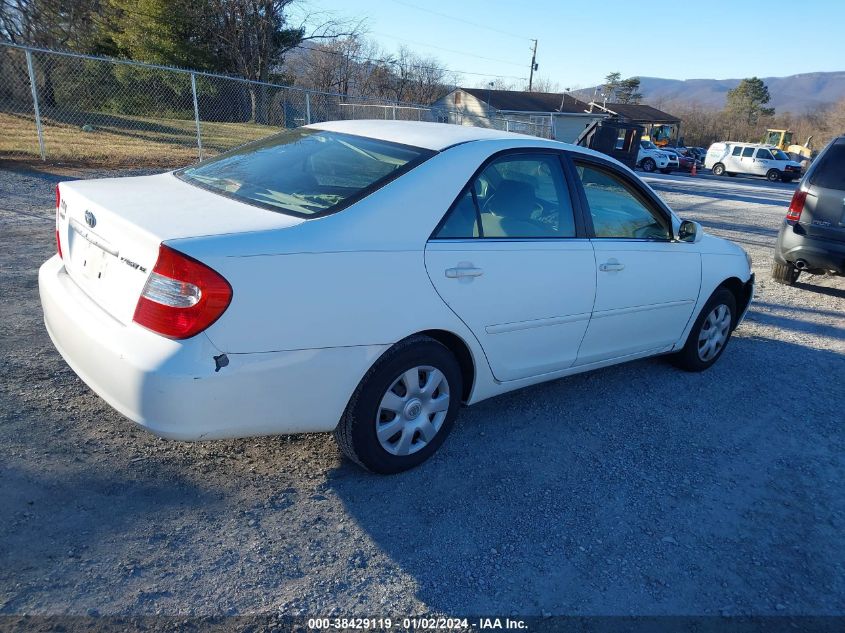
(110, 230)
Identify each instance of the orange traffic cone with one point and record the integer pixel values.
(693, 172)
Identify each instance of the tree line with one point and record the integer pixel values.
(268, 41)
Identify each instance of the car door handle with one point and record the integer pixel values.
(463, 271)
(611, 266)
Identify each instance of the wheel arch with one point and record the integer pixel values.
(741, 292)
(462, 353)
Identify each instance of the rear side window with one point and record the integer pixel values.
(517, 196)
(748, 152)
(305, 172)
(829, 173)
(737, 151)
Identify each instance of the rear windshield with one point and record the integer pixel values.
(829, 173)
(305, 172)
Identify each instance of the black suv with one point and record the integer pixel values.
(812, 237)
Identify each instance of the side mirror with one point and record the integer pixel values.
(690, 231)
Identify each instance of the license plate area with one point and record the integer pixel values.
(90, 255)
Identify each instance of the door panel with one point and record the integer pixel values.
(645, 295)
(528, 302)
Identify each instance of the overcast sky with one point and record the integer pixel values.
(581, 41)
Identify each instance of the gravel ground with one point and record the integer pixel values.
(637, 489)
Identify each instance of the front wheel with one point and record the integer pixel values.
(718, 169)
(404, 407)
(649, 165)
(773, 175)
(710, 333)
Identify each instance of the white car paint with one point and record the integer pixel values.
(748, 158)
(649, 150)
(317, 301)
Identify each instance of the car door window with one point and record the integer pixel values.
(764, 154)
(515, 196)
(748, 152)
(737, 151)
(617, 209)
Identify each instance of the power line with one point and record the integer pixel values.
(448, 50)
(393, 61)
(457, 19)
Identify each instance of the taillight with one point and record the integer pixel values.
(182, 297)
(796, 206)
(58, 241)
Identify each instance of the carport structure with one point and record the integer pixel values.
(661, 128)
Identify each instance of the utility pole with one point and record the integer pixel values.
(533, 65)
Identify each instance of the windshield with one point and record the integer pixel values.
(305, 172)
(780, 155)
(648, 145)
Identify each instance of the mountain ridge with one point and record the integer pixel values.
(793, 93)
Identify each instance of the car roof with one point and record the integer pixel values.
(434, 136)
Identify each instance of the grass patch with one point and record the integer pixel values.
(119, 140)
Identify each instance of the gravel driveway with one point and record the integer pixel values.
(637, 489)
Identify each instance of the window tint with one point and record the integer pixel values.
(516, 196)
(747, 152)
(304, 171)
(737, 151)
(618, 211)
(830, 171)
(764, 154)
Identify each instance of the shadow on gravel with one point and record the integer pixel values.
(839, 293)
(102, 515)
(638, 489)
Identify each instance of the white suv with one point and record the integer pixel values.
(753, 159)
(650, 158)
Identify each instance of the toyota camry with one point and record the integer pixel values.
(369, 278)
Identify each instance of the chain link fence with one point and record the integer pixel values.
(79, 109)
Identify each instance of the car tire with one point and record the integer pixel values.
(718, 169)
(385, 391)
(648, 165)
(773, 175)
(710, 333)
(786, 274)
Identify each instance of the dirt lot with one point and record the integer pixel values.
(637, 489)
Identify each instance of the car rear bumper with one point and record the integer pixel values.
(817, 252)
(175, 389)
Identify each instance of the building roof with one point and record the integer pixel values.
(639, 113)
(435, 136)
(519, 101)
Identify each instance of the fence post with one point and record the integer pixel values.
(394, 112)
(196, 114)
(308, 108)
(35, 104)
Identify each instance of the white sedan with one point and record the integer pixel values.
(369, 277)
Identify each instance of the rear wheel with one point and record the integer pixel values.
(649, 165)
(404, 407)
(785, 273)
(773, 175)
(710, 333)
(718, 169)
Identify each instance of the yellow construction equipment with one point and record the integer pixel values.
(782, 139)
